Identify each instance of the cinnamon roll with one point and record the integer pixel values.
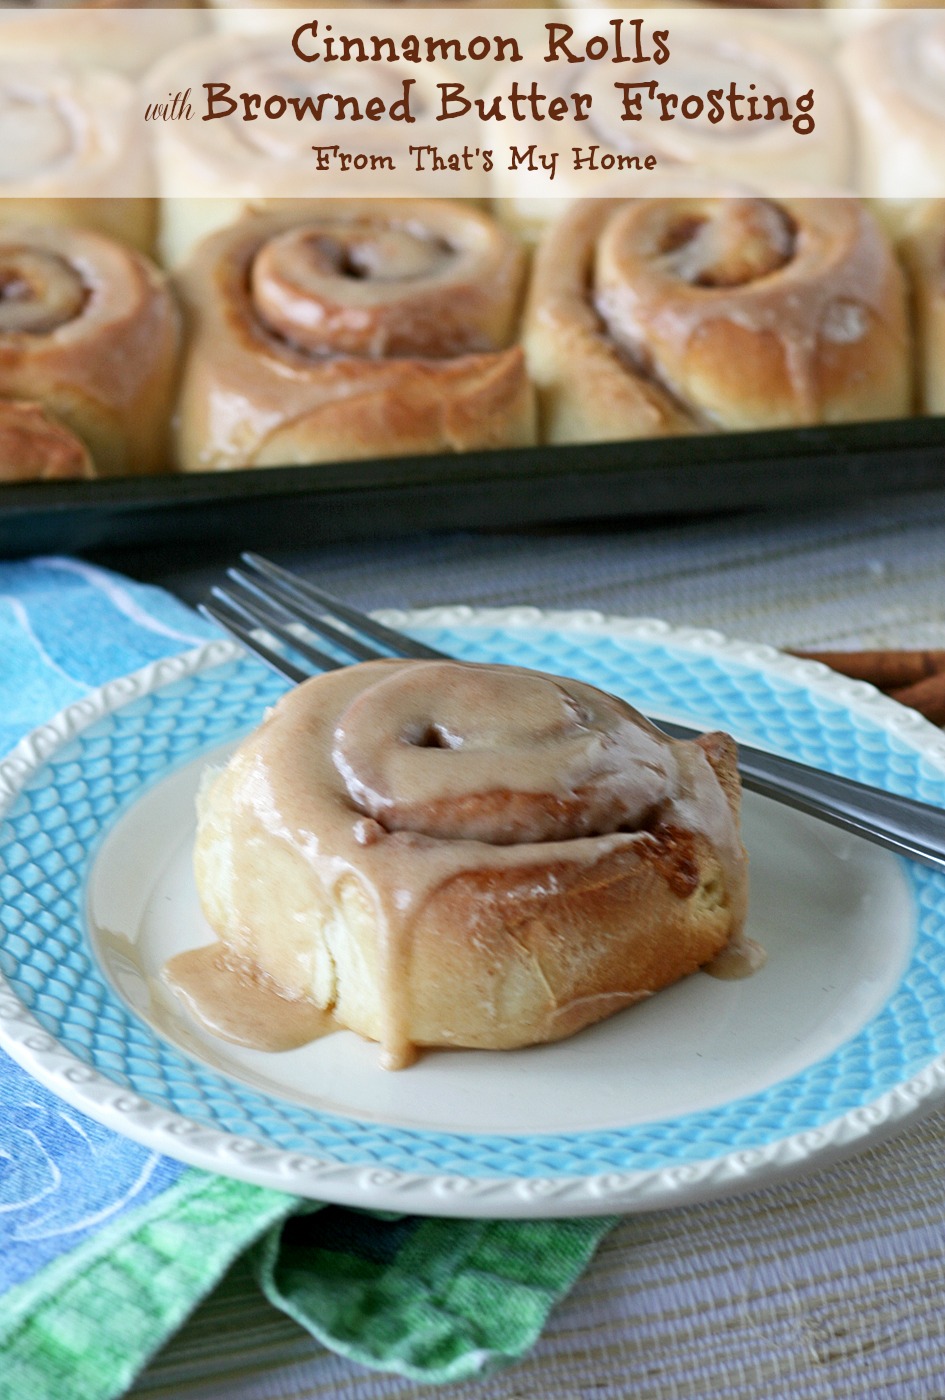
(448, 854)
(651, 317)
(89, 330)
(360, 330)
(72, 151)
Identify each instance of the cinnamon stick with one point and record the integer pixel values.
(927, 696)
(913, 677)
(886, 669)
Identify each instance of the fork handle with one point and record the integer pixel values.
(901, 824)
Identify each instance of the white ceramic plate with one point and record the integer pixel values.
(709, 1088)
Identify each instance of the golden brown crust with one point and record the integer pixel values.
(652, 317)
(33, 447)
(314, 869)
(89, 329)
(300, 336)
(498, 967)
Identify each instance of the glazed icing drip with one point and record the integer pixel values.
(391, 823)
(36, 135)
(237, 1004)
(380, 286)
(500, 756)
(39, 291)
(803, 275)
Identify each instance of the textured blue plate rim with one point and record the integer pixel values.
(453, 1186)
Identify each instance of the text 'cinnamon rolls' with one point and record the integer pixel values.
(447, 854)
(362, 329)
(650, 317)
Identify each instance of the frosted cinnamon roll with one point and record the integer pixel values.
(88, 329)
(366, 330)
(217, 167)
(72, 151)
(895, 74)
(651, 317)
(445, 854)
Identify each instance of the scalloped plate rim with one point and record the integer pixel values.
(377, 1187)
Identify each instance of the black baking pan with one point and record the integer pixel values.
(285, 506)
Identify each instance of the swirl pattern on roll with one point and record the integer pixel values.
(465, 754)
(457, 854)
(353, 330)
(650, 317)
(89, 331)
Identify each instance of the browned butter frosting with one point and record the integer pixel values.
(444, 853)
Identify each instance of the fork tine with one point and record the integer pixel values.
(245, 637)
(271, 591)
(261, 617)
(301, 588)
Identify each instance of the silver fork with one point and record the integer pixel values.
(267, 607)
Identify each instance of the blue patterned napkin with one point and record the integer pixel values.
(70, 1190)
(105, 1246)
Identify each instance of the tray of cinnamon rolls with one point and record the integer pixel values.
(314, 368)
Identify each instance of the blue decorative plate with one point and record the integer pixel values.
(709, 1088)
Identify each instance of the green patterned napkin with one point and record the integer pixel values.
(436, 1300)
